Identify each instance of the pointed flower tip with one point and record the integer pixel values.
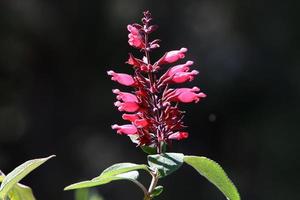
(195, 89)
(183, 50)
(195, 72)
(189, 62)
(116, 91)
(117, 103)
(110, 72)
(115, 126)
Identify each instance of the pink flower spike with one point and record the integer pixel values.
(127, 129)
(130, 117)
(173, 56)
(127, 106)
(182, 77)
(178, 136)
(125, 96)
(180, 68)
(121, 78)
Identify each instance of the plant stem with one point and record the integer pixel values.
(141, 186)
(152, 185)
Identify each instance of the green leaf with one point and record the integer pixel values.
(165, 163)
(82, 194)
(21, 192)
(87, 194)
(95, 196)
(215, 174)
(157, 191)
(1, 178)
(149, 150)
(153, 150)
(19, 173)
(121, 168)
(131, 176)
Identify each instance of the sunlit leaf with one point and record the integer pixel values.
(19, 173)
(213, 172)
(131, 176)
(21, 192)
(121, 168)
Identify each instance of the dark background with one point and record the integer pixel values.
(56, 97)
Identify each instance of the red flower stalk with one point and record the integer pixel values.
(152, 106)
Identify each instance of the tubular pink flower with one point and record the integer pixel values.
(125, 96)
(174, 56)
(127, 129)
(178, 136)
(187, 95)
(121, 78)
(181, 77)
(180, 68)
(130, 117)
(135, 38)
(127, 106)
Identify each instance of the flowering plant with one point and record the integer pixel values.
(154, 120)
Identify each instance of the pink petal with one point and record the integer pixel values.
(173, 56)
(121, 78)
(180, 68)
(127, 129)
(125, 96)
(179, 136)
(130, 117)
(127, 106)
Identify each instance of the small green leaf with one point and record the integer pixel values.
(121, 168)
(166, 163)
(149, 150)
(153, 150)
(21, 192)
(213, 172)
(157, 191)
(19, 173)
(131, 176)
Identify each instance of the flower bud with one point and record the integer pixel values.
(135, 38)
(178, 136)
(127, 129)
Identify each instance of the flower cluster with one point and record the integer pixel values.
(152, 107)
